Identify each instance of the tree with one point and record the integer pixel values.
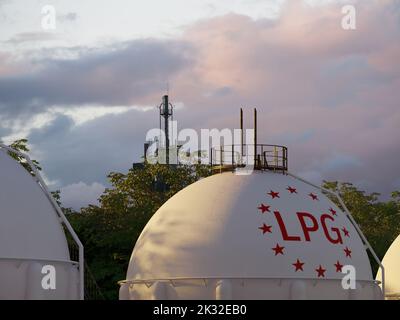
(109, 231)
(22, 146)
(378, 220)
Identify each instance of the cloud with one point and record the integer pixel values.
(331, 95)
(121, 76)
(70, 16)
(308, 75)
(8, 67)
(32, 37)
(78, 195)
(343, 161)
(89, 151)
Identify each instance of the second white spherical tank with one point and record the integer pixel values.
(260, 236)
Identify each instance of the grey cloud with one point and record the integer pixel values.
(3, 132)
(115, 77)
(89, 151)
(70, 16)
(79, 195)
(32, 37)
(319, 97)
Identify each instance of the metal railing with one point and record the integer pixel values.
(354, 223)
(259, 157)
(92, 289)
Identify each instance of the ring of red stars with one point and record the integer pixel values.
(279, 250)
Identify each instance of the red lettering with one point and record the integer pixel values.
(282, 226)
(307, 229)
(335, 230)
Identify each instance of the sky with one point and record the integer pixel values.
(85, 93)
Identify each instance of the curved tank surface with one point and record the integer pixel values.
(391, 262)
(33, 245)
(260, 236)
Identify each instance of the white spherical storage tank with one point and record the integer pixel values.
(35, 260)
(265, 235)
(391, 262)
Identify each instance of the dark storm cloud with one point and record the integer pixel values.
(110, 77)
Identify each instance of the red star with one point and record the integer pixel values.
(346, 232)
(278, 250)
(348, 252)
(291, 190)
(313, 196)
(298, 265)
(265, 228)
(274, 194)
(321, 272)
(263, 208)
(338, 266)
(332, 211)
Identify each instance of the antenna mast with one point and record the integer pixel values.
(166, 112)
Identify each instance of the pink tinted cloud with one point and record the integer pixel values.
(331, 95)
(306, 74)
(8, 67)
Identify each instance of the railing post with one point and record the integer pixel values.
(262, 157)
(221, 160)
(241, 131)
(286, 159)
(255, 137)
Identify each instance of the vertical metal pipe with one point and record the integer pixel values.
(221, 161)
(255, 138)
(146, 147)
(166, 124)
(241, 132)
(262, 157)
(287, 159)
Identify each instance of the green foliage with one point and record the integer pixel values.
(379, 221)
(109, 231)
(21, 145)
